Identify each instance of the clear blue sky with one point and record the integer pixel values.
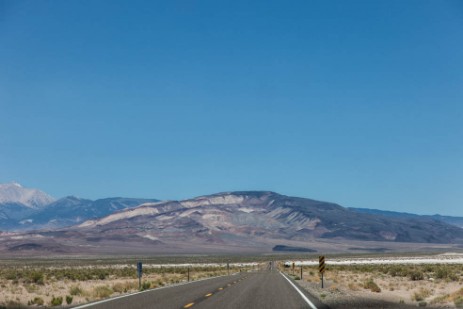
(355, 102)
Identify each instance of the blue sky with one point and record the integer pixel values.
(354, 102)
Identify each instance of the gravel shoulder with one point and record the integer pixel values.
(340, 299)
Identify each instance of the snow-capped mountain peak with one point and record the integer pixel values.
(15, 193)
(14, 183)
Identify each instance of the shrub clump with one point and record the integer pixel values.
(56, 301)
(37, 301)
(421, 294)
(372, 286)
(102, 291)
(69, 299)
(124, 287)
(416, 275)
(37, 277)
(145, 285)
(458, 302)
(442, 273)
(75, 290)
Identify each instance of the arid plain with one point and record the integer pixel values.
(362, 281)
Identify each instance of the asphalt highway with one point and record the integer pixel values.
(264, 289)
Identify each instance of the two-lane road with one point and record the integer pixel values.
(267, 289)
(258, 290)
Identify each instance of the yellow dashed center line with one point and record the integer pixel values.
(210, 294)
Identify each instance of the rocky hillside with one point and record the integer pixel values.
(244, 215)
(234, 222)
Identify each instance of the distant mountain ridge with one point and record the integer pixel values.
(253, 221)
(244, 221)
(72, 210)
(457, 221)
(23, 209)
(267, 214)
(14, 193)
(17, 202)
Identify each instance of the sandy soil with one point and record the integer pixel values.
(346, 289)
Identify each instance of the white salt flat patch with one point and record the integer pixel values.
(442, 259)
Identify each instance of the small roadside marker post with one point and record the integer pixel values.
(139, 273)
(228, 268)
(321, 266)
(188, 271)
(294, 265)
(301, 272)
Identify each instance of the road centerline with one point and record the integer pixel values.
(208, 295)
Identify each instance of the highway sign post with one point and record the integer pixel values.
(321, 266)
(139, 273)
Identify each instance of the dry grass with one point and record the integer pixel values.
(61, 285)
(421, 294)
(418, 285)
(353, 286)
(456, 298)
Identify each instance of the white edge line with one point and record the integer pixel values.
(300, 293)
(151, 290)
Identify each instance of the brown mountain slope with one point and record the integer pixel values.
(247, 221)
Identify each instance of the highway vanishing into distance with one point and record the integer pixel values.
(259, 289)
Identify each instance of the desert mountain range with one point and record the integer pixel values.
(248, 221)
